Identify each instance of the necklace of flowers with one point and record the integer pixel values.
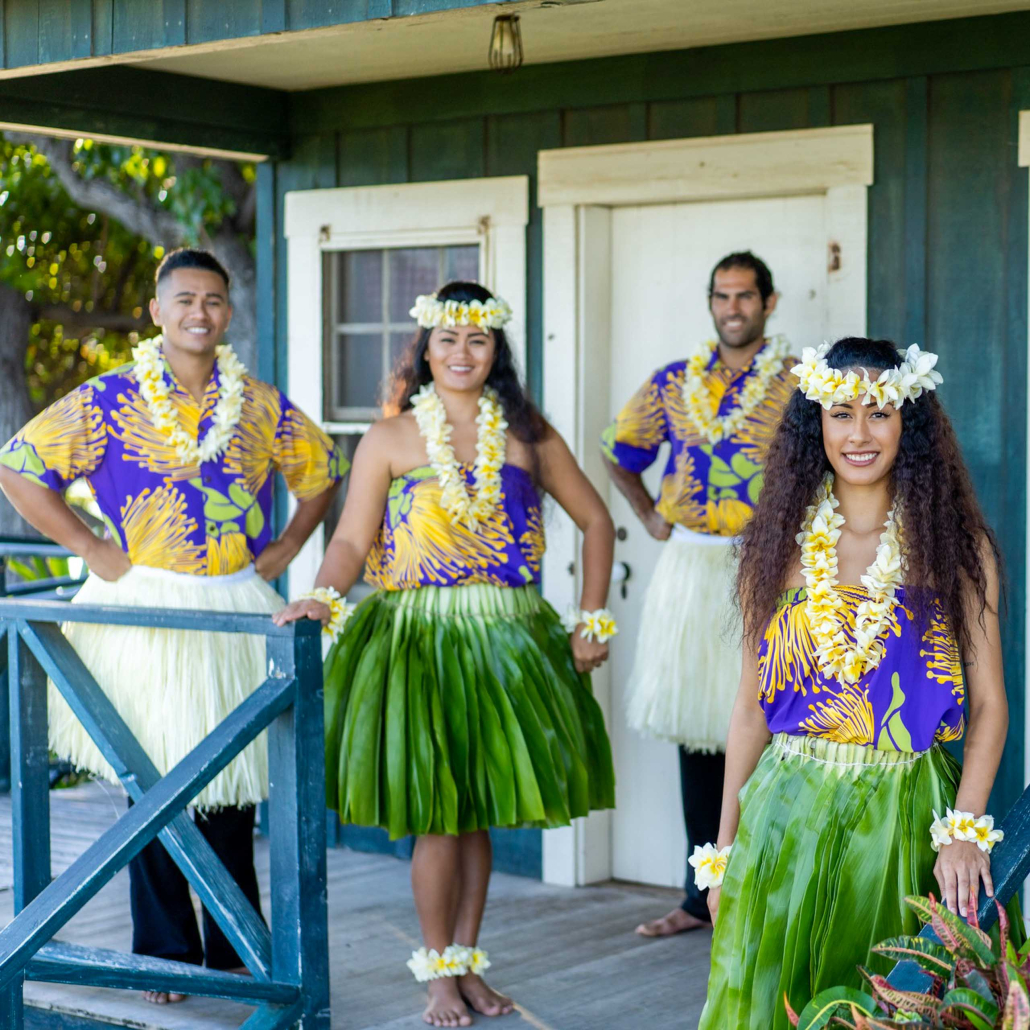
(155, 391)
(838, 657)
(698, 399)
(431, 416)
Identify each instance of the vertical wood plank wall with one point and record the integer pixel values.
(947, 260)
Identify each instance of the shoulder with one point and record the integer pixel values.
(109, 382)
(387, 435)
(669, 373)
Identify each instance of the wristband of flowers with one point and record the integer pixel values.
(598, 625)
(964, 826)
(456, 960)
(339, 610)
(709, 865)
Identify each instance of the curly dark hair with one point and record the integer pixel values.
(411, 373)
(945, 530)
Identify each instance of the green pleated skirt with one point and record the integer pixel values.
(455, 709)
(832, 838)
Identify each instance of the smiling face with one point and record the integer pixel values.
(192, 307)
(860, 440)
(460, 359)
(738, 310)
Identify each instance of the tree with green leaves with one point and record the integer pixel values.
(83, 225)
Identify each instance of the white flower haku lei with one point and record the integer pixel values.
(709, 865)
(838, 657)
(597, 625)
(964, 826)
(829, 386)
(698, 398)
(430, 312)
(155, 391)
(431, 416)
(456, 960)
(339, 610)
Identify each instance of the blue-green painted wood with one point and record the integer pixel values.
(916, 204)
(103, 27)
(137, 25)
(44, 1019)
(369, 157)
(595, 126)
(266, 233)
(775, 110)
(21, 33)
(274, 1017)
(448, 150)
(173, 13)
(184, 842)
(273, 15)
(696, 116)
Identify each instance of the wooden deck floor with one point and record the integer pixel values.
(568, 957)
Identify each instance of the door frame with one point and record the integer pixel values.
(492, 212)
(578, 188)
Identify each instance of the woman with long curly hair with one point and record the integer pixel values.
(456, 700)
(865, 648)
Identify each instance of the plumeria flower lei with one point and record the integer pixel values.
(709, 865)
(430, 312)
(838, 658)
(829, 386)
(491, 442)
(964, 826)
(155, 391)
(698, 399)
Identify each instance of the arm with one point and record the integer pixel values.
(362, 516)
(566, 482)
(274, 559)
(961, 864)
(631, 486)
(748, 737)
(46, 511)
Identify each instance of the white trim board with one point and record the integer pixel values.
(578, 187)
(492, 212)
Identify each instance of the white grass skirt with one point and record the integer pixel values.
(686, 667)
(172, 687)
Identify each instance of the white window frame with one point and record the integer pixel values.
(492, 213)
(578, 188)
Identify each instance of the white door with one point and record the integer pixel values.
(662, 256)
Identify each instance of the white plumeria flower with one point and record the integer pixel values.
(571, 619)
(709, 865)
(940, 832)
(984, 833)
(425, 965)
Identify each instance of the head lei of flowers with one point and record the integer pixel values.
(828, 386)
(430, 312)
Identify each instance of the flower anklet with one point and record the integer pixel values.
(456, 960)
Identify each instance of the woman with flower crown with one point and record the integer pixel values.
(865, 649)
(456, 700)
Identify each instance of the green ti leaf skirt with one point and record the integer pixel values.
(454, 709)
(832, 838)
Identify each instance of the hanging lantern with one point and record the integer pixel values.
(506, 43)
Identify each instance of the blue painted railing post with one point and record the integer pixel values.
(296, 812)
(5, 721)
(30, 792)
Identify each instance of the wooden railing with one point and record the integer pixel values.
(288, 963)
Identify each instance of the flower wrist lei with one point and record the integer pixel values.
(709, 865)
(340, 611)
(456, 960)
(964, 826)
(598, 625)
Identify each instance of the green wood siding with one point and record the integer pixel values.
(947, 259)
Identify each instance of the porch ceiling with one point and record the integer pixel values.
(552, 30)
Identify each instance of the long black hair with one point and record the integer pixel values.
(945, 532)
(412, 372)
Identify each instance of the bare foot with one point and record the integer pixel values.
(163, 997)
(676, 921)
(482, 998)
(445, 1006)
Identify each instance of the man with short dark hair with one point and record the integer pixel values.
(718, 411)
(179, 450)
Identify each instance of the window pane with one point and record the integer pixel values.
(360, 285)
(413, 271)
(359, 366)
(461, 263)
(399, 344)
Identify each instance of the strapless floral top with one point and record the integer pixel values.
(418, 544)
(914, 697)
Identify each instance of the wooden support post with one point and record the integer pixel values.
(296, 810)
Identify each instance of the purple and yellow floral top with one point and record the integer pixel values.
(708, 488)
(418, 545)
(210, 519)
(912, 699)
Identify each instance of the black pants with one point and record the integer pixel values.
(163, 921)
(701, 778)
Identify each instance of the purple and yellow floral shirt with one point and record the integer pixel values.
(913, 698)
(418, 545)
(209, 519)
(708, 488)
